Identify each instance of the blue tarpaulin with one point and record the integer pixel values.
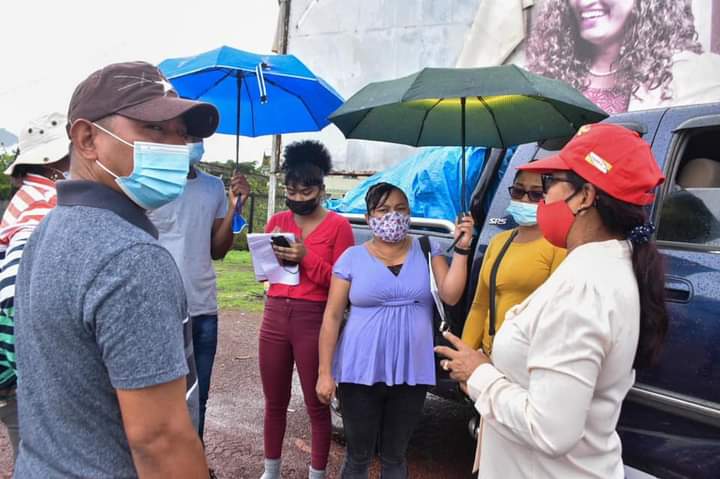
(430, 178)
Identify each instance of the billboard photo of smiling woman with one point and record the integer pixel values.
(626, 54)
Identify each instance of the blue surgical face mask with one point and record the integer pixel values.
(159, 174)
(524, 214)
(197, 150)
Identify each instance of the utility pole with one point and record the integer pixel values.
(282, 43)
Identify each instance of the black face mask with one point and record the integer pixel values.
(302, 208)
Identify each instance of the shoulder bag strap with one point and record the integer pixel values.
(425, 246)
(493, 280)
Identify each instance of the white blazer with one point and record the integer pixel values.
(562, 365)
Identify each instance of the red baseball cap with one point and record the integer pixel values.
(611, 157)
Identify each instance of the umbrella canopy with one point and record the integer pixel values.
(504, 106)
(493, 107)
(255, 94)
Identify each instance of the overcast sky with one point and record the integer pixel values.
(48, 47)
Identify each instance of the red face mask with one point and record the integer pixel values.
(555, 221)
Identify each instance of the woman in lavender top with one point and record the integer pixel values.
(383, 362)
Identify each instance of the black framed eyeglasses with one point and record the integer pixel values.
(518, 193)
(548, 180)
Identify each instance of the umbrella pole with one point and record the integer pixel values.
(463, 186)
(237, 122)
(463, 205)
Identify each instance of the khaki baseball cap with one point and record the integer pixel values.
(41, 142)
(139, 91)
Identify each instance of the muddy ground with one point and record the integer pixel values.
(441, 447)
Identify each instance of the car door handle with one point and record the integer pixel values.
(678, 290)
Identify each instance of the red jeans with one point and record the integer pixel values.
(289, 333)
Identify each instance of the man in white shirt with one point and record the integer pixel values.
(197, 228)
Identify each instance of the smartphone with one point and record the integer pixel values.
(280, 240)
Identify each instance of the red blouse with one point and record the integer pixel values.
(324, 246)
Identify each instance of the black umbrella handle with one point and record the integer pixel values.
(457, 240)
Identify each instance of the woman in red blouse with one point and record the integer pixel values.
(293, 314)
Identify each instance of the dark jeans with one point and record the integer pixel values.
(379, 418)
(205, 334)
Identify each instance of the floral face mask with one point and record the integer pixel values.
(391, 227)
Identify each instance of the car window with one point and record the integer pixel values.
(691, 208)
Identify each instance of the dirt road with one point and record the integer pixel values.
(440, 449)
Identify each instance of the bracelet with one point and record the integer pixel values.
(462, 251)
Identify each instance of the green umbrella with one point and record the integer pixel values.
(492, 107)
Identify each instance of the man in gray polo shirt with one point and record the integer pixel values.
(100, 306)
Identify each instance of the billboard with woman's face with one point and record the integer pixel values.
(628, 54)
(624, 54)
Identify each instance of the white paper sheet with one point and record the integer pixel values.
(265, 263)
(436, 293)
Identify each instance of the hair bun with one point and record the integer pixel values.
(300, 154)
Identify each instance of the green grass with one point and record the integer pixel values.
(236, 284)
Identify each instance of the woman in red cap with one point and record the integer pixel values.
(550, 396)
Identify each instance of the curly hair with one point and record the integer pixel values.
(658, 30)
(306, 163)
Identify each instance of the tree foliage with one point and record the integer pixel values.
(5, 184)
(256, 208)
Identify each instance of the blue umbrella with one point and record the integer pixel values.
(255, 94)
